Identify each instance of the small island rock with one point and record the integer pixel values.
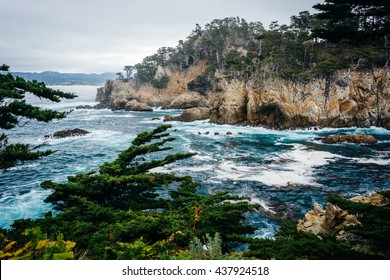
(350, 138)
(67, 133)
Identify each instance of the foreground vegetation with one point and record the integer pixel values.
(126, 211)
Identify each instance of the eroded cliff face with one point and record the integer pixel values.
(116, 94)
(356, 98)
(349, 98)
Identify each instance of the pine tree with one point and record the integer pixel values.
(354, 20)
(15, 111)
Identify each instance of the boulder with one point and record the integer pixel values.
(194, 114)
(169, 118)
(190, 115)
(375, 199)
(118, 104)
(67, 133)
(134, 105)
(188, 100)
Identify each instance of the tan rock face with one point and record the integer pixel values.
(134, 105)
(334, 219)
(232, 109)
(363, 99)
(330, 220)
(313, 221)
(188, 99)
(350, 98)
(170, 96)
(374, 199)
(191, 115)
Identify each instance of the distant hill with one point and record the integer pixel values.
(57, 78)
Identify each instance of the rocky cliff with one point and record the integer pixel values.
(354, 98)
(116, 94)
(349, 98)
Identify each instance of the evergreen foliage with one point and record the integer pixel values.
(15, 111)
(357, 21)
(374, 230)
(291, 244)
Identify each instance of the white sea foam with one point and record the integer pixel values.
(180, 169)
(254, 199)
(289, 168)
(377, 161)
(28, 205)
(295, 167)
(267, 231)
(202, 157)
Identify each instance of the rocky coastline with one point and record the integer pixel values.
(349, 98)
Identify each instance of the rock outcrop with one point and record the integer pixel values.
(116, 94)
(191, 115)
(67, 133)
(134, 105)
(187, 100)
(333, 219)
(349, 138)
(350, 98)
(363, 100)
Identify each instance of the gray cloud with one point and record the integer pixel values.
(99, 36)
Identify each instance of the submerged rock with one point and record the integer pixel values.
(84, 107)
(67, 133)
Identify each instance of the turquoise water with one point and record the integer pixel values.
(285, 172)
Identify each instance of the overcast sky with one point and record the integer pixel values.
(94, 36)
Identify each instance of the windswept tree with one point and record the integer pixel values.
(15, 112)
(129, 71)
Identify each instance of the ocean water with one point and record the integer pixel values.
(284, 172)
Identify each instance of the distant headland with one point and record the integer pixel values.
(58, 78)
